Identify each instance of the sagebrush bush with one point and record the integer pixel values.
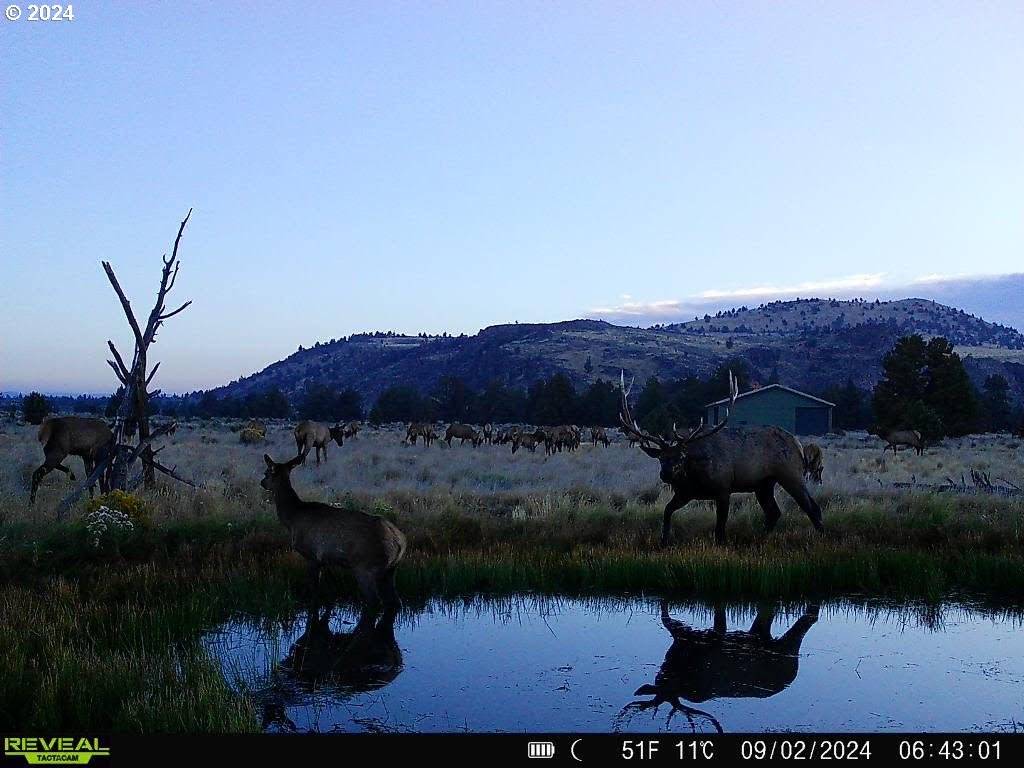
(131, 505)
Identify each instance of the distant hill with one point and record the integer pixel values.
(809, 344)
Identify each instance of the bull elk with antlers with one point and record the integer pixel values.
(712, 464)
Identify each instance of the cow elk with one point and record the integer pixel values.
(599, 435)
(527, 440)
(462, 432)
(63, 436)
(715, 463)
(420, 429)
(310, 435)
(340, 664)
(814, 462)
(488, 431)
(894, 438)
(324, 535)
(351, 430)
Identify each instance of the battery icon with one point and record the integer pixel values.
(540, 749)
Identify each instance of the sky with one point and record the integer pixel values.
(449, 166)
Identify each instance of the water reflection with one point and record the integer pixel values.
(527, 663)
(706, 664)
(338, 664)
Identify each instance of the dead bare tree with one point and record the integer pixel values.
(132, 420)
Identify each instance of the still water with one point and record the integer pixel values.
(533, 664)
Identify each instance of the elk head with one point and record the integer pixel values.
(338, 434)
(278, 475)
(671, 451)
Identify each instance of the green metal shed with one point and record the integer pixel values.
(778, 406)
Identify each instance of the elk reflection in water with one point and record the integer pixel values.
(706, 664)
(340, 664)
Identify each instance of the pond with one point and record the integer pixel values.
(584, 664)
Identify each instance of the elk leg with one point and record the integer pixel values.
(766, 498)
(807, 503)
(721, 625)
(387, 590)
(90, 465)
(367, 584)
(37, 478)
(314, 579)
(676, 502)
(794, 636)
(721, 515)
(762, 626)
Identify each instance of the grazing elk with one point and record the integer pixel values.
(713, 464)
(463, 432)
(814, 462)
(420, 429)
(367, 544)
(351, 430)
(527, 440)
(894, 438)
(310, 435)
(558, 438)
(598, 435)
(63, 436)
(706, 664)
(341, 663)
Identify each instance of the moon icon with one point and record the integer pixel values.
(572, 751)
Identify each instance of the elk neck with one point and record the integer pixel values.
(286, 500)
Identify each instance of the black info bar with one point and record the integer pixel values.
(524, 749)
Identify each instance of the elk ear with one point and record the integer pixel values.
(270, 461)
(646, 690)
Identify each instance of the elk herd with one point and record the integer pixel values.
(708, 463)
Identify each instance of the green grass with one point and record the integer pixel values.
(108, 638)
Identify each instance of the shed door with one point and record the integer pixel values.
(811, 421)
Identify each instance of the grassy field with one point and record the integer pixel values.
(108, 632)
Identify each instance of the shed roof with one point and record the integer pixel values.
(762, 390)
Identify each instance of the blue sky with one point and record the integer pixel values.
(447, 166)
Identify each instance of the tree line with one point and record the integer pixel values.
(924, 386)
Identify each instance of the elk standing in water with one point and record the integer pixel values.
(814, 462)
(311, 434)
(64, 436)
(367, 544)
(897, 437)
(706, 664)
(713, 464)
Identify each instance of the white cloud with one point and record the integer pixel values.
(851, 283)
(866, 285)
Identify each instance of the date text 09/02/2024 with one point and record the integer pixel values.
(787, 748)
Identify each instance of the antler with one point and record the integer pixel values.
(629, 424)
(695, 434)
